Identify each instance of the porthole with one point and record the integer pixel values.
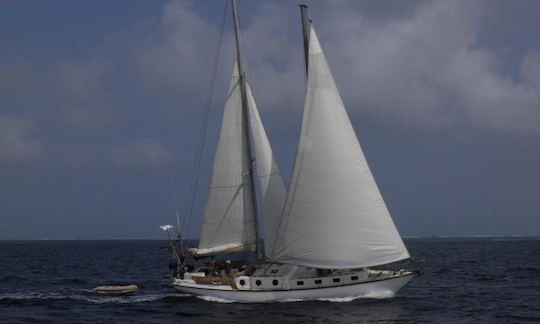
(242, 282)
(274, 271)
(275, 282)
(258, 282)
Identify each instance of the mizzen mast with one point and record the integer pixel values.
(250, 200)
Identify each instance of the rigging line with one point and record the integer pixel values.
(202, 134)
(173, 189)
(245, 53)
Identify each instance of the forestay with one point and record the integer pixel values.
(273, 190)
(334, 215)
(228, 224)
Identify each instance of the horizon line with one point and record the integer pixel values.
(194, 239)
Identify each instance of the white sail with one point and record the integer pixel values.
(228, 224)
(273, 190)
(334, 215)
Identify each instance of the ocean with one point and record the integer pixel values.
(465, 280)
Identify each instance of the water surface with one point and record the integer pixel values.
(466, 280)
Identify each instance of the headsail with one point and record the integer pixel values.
(334, 215)
(273, 190)
(228, 224)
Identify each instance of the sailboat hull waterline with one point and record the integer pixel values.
(325, 237)
(378, 284)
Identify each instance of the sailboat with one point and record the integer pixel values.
(327, 235)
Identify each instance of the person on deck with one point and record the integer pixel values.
(181, 267)
(212, 265)
(228, 268)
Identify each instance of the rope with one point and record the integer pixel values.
(245, 52)
(173, 189)
(202, 135)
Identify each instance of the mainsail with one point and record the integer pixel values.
(229, 224)
(334, 215)
(273, 190)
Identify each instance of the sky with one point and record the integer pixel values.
(100, 99)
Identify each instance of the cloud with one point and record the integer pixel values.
(173, 61)
(68, 94)
(80, 97)
(16, 141)
(530, 69)
(419, 66)
(141, 152)
(488, 98)
(424, 70)
(430, 70)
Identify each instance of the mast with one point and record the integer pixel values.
(251, 200)
(306, 21)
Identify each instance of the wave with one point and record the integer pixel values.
(524, 269)
(86, 297)
(31, 295)
(118, 299)
(216, 299)
(76, 281)
(89, 296)
(13, 278)
(377, 295)
(296, 300)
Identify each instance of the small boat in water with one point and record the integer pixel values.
(116, 290)
(326, 236)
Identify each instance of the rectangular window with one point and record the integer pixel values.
(336, 280)
(354, 278)
(300, 283)
(318, 281)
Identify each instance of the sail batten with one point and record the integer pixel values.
(334, 215)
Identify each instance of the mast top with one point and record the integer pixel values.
(304, 9)
(306, 23)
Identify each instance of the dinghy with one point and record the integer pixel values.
(116, 290)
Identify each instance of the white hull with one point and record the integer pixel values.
(382, 288)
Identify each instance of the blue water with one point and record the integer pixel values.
(466, 280)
